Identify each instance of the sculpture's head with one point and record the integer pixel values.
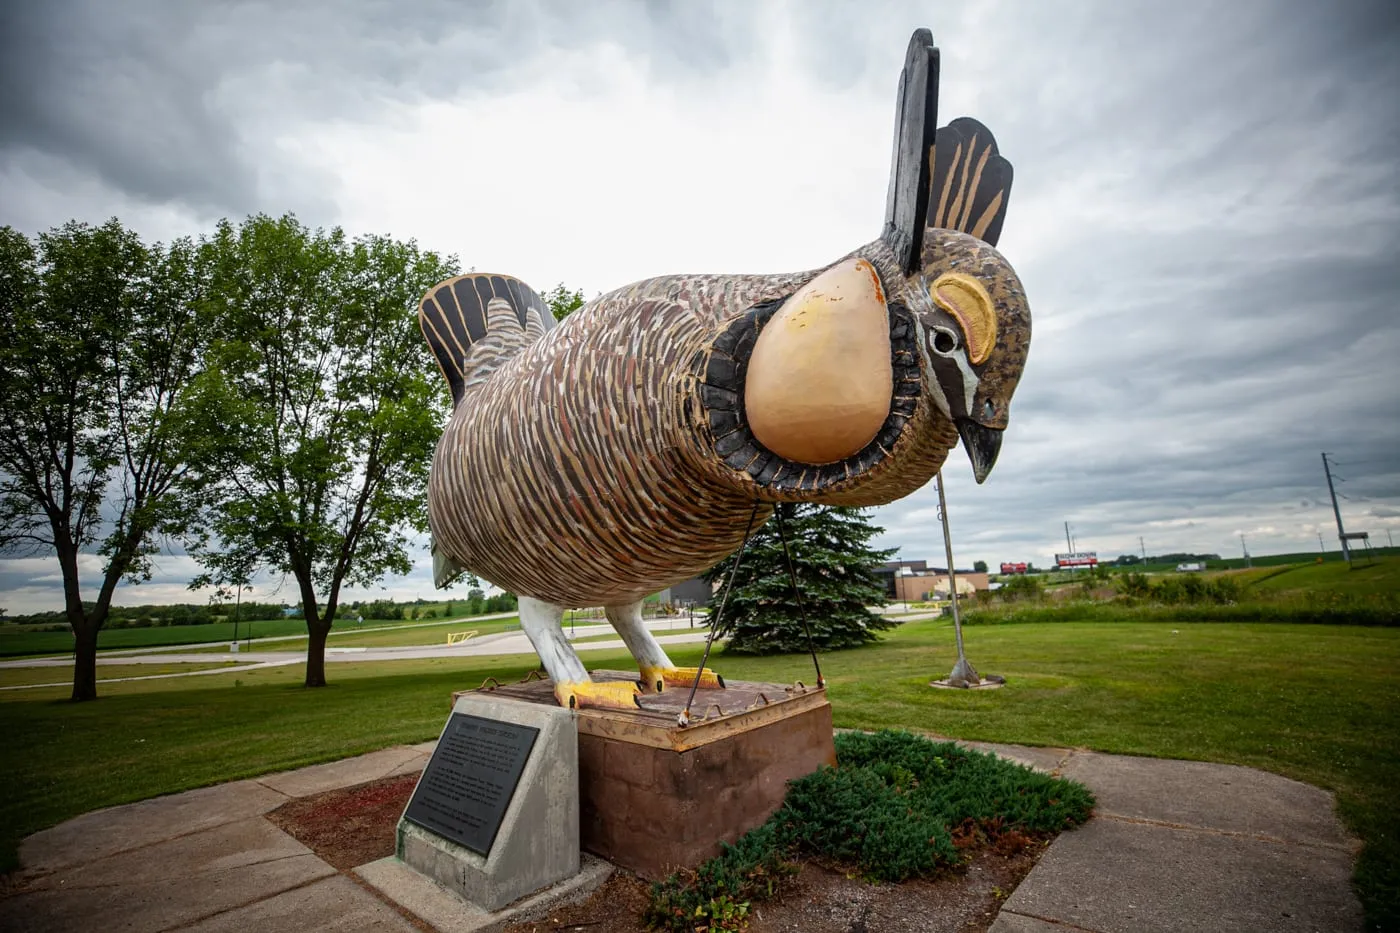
(862, 346)
(860, 380)
(972, 330)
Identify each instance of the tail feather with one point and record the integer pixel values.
(971, 182)
(916, 114)
(474, 322)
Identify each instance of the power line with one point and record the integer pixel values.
(1351, 463)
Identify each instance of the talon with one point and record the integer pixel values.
(589, 694)
(664, 677)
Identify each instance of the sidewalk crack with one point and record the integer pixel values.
(1209, 831)
(1064, 924)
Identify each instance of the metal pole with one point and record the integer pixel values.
(797, 592)
(1068, 543)
(1245, 548)
(1341, 532)
(1142, 545)
(1320, 546)
(716, 618)
(963, 674)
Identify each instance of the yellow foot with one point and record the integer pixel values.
(659, 678)
(589, 694)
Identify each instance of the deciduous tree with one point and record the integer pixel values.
(329, 407)
(100, 338)
(563, 302)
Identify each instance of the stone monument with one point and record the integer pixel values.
(495, 815)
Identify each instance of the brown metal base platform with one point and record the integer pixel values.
(655, 797)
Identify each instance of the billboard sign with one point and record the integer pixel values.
(1013, 568)
(1078, 559)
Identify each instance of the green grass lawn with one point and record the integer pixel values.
(16, 676)
(1317, 703)
(1381, 576)
(15, 643)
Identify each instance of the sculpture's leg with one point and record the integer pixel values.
(658, 672)
(542, 624)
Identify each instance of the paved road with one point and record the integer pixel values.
(496, 643)
(357, 630)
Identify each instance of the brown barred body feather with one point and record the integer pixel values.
(608, 458)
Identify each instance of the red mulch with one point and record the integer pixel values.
(351, 826)
(355, 825)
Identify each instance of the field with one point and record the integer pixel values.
(1319, 703)
(15, 641)
(1231, 563)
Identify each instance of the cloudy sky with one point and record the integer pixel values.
(1206, 213)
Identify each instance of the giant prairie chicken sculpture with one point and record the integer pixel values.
(597, 461)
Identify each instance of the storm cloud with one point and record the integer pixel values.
(1206, 213)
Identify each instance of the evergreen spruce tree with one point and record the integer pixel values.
(836, 574)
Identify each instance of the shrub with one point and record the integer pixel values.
(897, 806)
(1021, 587)
(716, 896)
(1135, 585)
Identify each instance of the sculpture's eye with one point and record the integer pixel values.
(944, 340)
(967, 301)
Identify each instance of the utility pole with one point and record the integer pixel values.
(1389, 538)
(1068, 543)
(1341, 532)
(1320, 546)
(1144, 549)
(1245, 547)
(963, 675)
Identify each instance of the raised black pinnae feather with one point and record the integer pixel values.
(454, 317)
(971, 182)
(916, 115)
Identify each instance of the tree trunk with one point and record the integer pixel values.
(84, 662)
(316, 653)
(85, 627)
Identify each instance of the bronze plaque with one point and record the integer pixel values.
(470, 780)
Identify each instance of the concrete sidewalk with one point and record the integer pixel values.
(1186, 846)
(1174, 846)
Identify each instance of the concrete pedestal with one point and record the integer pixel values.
(655, 797)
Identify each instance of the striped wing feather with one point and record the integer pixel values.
(475, 322)
(971, 181)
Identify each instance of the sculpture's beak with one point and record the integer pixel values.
(982, 443)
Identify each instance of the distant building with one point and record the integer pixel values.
(889, 570)
(694, 592)
(933, 584)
